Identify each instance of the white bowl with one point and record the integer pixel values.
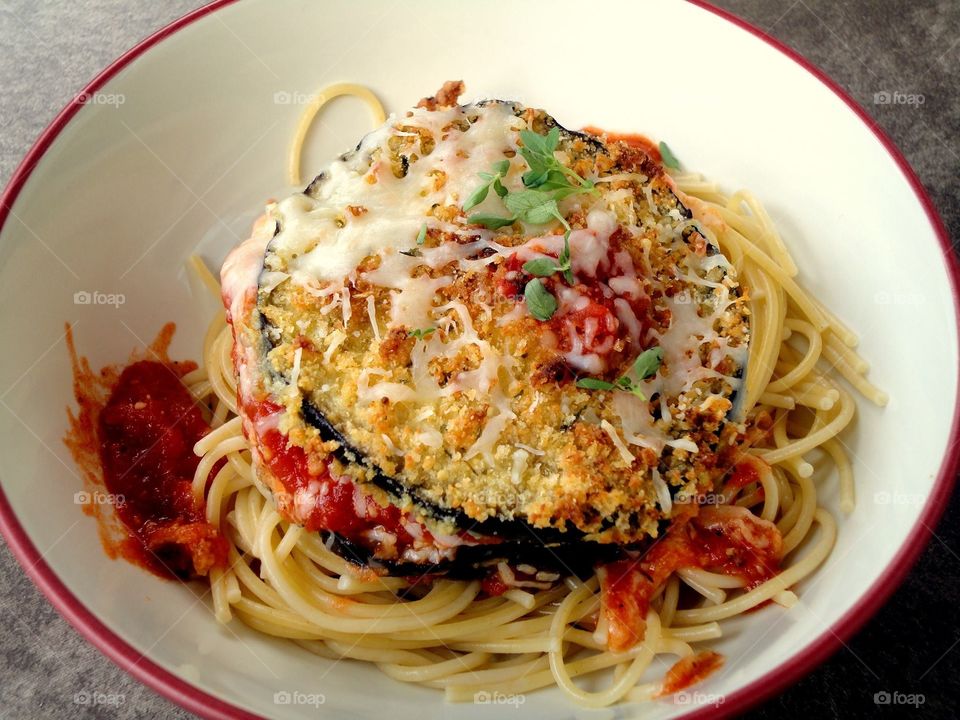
(174, 148)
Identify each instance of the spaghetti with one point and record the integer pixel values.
(310, 113)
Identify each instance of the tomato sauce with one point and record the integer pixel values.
(726, 540)
(636, 140)
(146, 432)
(625, 596)
(632, 139)
(595, 325)
(690, 670)
(493, 585)
(333, 504)
(510, 278)
(743, 474)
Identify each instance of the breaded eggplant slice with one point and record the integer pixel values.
(397, 335)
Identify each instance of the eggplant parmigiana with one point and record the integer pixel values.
(531, 375)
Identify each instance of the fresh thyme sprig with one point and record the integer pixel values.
(669, 159)
(645, 366)
(491, 180)
(545, 267)
(545, 183)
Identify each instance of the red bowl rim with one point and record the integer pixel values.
(206, 705)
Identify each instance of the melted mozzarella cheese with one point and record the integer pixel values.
(241, 269)
(359, 209)
(330, 240)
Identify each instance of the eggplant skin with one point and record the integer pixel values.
(476, 561)
(346, 453)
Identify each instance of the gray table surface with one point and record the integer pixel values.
(49, 50)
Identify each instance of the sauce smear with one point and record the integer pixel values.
(723, 539)
(632, 139)
(318, 501)
(147, 431)
(132, 439)
(690, 670)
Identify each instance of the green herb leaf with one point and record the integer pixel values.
(476, 197)
(533, 206)
(546, 172)
(533, 145)
(542, 214)
(644, 367)
(538, 173)
(540, 144)
(422, 235)
(541, 304)
(562, 192)
(534, 179)
(625, 383)
(669, 159)
(538, 150)
(541, 267)
(552, 139)
(547, 182)
(589, 383)
(421, 333)
(564, 258)
(493, 222)
(648, 363)
(554, 180)
(490, 179)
